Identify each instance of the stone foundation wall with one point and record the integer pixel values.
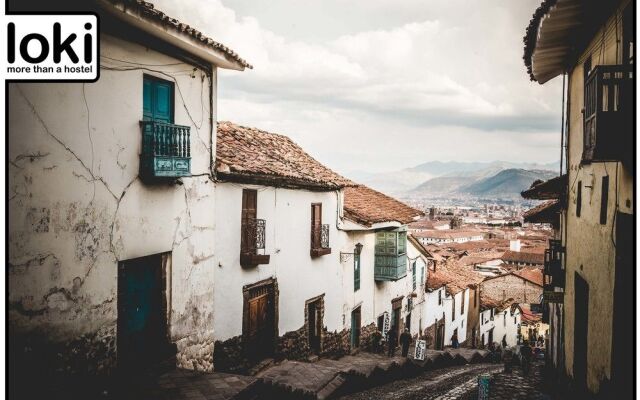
(195, 353)
(366, 331)
(336, 344)
(92, 355)
(293, 346)
(229, 356)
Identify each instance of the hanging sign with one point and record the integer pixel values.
(421, 347)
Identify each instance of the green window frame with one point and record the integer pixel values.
(391, 243)
(421, 275)
(356, 272)
(414, 266)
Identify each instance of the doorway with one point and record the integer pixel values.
(440, 335)
(142, 338)
(260, 319)
(623, 325)
(315, 316)
(407, 322)
(580, 331)
(355, 327)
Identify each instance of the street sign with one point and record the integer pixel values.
(421, 347)
(386, 323)
(553, 297)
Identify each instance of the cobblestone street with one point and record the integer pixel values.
(461, 383)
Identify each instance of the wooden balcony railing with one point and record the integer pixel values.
(554, 273)
(390, 267)
(320, 240)
(608, 114)
(166, 150)
(252, 240)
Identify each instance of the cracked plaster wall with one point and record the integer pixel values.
(77, 207)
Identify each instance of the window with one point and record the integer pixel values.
(390, 262)
(453, 307)
(413, 274)
(475, 297)
(462, 304)
(439, 297)
(319, 232)
(421, 275)
(356, 272)
(157, 100)
(252, 231)
(579, 200)
(604, 199)
(504, 319)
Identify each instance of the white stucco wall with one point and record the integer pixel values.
(300, 277)
(77, 206)
(433, 311)
(506, 323)
(486, 324)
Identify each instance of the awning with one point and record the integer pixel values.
(555, 33)
(551, 189)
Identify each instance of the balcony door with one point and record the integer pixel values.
(157, 100)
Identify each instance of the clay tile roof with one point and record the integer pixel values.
(487, 302)
(532, 275)
(547, 212)
(546, 190)
(524, 257)
(453, 276)
(366, 206)
(250, 155)
(148, 11)
(447, 234)
(427, 224)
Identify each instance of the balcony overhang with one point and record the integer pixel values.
(551, 189)
(556, 33)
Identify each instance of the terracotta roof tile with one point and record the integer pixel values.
(366, 206)
(550, 189)
(533, 275)
(250, 155)
(524, 257)
(148, 10)
(453, 276)
(487, 302)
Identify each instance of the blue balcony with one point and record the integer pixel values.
(390, 267)
(166, 151)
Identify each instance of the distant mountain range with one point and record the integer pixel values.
(477, 179)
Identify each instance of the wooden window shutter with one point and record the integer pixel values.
(316, 225)
(604, 200)
(579, 200)
(249, 213)
(402, 242)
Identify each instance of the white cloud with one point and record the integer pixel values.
(452, 76)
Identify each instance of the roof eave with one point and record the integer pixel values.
(184, 42)
(277, 181)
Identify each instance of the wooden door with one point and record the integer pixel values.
(623, 326)
(580, 331)
(355, 328)
(248, 216)
(260, 329)
(314, 327)
(395, 318)
(142, 321)
(440, 336)
(157, 99)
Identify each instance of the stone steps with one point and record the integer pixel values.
(328, 378)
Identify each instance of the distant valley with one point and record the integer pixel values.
(498, 179)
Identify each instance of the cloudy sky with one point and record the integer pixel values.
(379, 85)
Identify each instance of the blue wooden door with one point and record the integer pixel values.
(141, 315)
(157, 104)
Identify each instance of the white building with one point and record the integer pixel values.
(379, 282)
(450, 236)
(499, 320)
(112, 227)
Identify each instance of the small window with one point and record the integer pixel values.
(414, 274)
(462, 305)
(475, 297)
(604, 200)
(453, 307)
(356, 272)
(439, 297)
(421, 275)
(579, 200)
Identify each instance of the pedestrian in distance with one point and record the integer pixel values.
(525, 356)
(454, 340)
(376, 341)
(504, 342)
(392, 341)
(405, 341)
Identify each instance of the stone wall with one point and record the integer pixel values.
(293, 345)
(336, 344)
(195, 353)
